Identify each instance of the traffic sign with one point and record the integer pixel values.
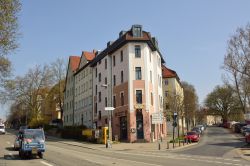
(109, 108)
(157, 118)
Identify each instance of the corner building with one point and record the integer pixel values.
(127, 75)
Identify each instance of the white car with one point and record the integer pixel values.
(2, 129)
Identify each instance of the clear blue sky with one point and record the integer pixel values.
(192, 34)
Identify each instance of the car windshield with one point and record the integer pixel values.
(34, 134)
(23, 127)
(1, 127)
(191, 133)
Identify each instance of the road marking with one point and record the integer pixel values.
(138, 162)
(46, 163)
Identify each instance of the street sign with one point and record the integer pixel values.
(109, 108)
(157, 118)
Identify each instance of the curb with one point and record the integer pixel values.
(239, 152)
(183, 147)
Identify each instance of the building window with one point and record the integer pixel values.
(166, 93)
(106, 102)
(105, 63)
(100, 77)
(100, 61)
(137, 51)
(114, 80)
(152, 99)
(150, 76)
(95, 89)
(106, 121)
(99, 115)
(106, 81)
(160, 82)
(95, 108)
(122, 99)
(100, 97)
(121, 76)
(96, 72)
(166, 82)
(137, 31)
(121, 56)
(138, 73)
(113, 60)
(114, 102)
(139, 96)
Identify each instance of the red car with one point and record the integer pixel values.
(193, 136)
(247, 138)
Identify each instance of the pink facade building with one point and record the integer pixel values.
(128, 76)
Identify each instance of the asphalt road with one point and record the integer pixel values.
(218, 142)
(61, 154)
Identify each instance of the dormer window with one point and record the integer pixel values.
(137, 30)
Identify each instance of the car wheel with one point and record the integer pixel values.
(40, 154)
(21, 154)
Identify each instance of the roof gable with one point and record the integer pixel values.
(168, 73)
(74, 62)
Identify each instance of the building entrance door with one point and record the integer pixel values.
(123, 128)
(139, 124)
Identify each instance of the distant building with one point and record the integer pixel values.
(69, 92)
(83, 106)
(173, 95)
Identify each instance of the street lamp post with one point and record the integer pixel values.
(109, 109)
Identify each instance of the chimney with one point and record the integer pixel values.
(109, 43)
(155, 42)
(122, 33)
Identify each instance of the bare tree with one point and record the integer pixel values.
(190, 103)
(59, 74)
(237, 63)
(31, 90)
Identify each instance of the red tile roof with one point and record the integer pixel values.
(168, 73)
(88, 55)
(74, 62)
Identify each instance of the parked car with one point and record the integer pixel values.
(201, 127)
(247, 130)
(32, 143)
(247, 137)
(238, 126)
(244, 128)
(193, 136)
(2, 129)
(198, 130)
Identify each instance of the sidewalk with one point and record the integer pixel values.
(244, 152)
(155, 146)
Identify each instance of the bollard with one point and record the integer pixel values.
(167, 145)
(159, 146)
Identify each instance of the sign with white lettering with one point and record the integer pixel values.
(157, 118)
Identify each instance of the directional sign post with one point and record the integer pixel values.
(157, 118)
(109, 109)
